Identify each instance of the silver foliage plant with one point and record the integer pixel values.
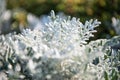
(57, 51)
(116, 25)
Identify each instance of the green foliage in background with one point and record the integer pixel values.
(103, 10)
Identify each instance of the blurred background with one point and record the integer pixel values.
(16, 15)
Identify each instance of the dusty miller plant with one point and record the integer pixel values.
(116, 25)
(58, 51)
